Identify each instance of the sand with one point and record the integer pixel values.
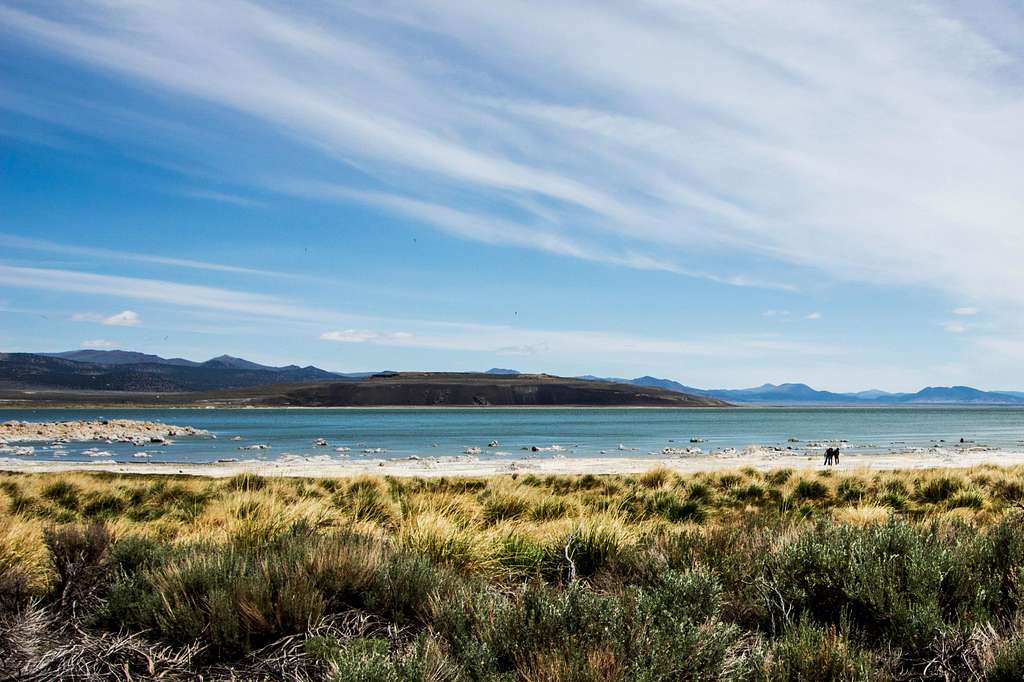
(471, 466)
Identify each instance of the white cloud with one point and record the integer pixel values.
(966, 310)
(365, 336)
(16, 242)
(98, 344)
(813, 316)
(775, 313)
(125, 318)
(955, 327)
(143, 289)
(728, 127)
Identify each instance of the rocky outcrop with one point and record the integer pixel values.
(113, 430)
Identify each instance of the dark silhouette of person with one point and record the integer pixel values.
(835, 455)
(828, 456)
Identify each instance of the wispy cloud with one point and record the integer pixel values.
(125, 318)
(364, 336)
(15, 242)
(156, 290)
(222, 197)
(813, 316)
(906, 116)
(955, 327)
(966, 310)
(426, 334)
(495, 230)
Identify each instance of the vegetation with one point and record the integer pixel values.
(743, 575)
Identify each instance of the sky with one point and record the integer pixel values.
(723, 193)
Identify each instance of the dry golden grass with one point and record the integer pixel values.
(484, 525)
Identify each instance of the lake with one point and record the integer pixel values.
(556, 432)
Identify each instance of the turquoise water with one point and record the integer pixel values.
(576, 432)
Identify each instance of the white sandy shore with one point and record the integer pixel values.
(461, 466)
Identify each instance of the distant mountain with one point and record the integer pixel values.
(957, 395)
(118, 370)
(786, 393)
(667, 384)
(125, 371)
(119, 357)
(872, 394)
(802, 394)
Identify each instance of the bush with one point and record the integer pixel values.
(752, 492)
(851, 490)
(887, 579)
(588, 548)
(238, 597)
(79, 558)
(63, 494)
(812, 490)
(810, 653)
(700, 492)
(502, 507)
(1009, 489)
(103, 506)
(938, 489)
(778, 476)
(656, 478)
(972, 499)
(247, 483)
(1008, 662)
(551, 508)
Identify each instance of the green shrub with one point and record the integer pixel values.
(752, 492)
(969, 498)
(700, 492)
(502, 507)
(63, 494)
(938, 489)
(778, 476)
(247, 482)
(894, 500)
(587, 549)
(810, 653)
(887, 579)
(1009, 489)
(551, 508)
(1008, 663)
(851, 490)
(102, 506)
(811, 490)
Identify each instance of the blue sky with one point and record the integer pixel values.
(723, 193)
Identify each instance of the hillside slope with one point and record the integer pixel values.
(464, 389)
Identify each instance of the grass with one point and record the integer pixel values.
(741, 575)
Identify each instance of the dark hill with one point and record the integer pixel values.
(464, 389)
(32, 371)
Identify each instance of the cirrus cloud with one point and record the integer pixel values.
(125, 318)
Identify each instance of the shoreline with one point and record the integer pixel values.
(460, 467)
(28, 407)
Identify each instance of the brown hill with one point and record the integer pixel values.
(461, 389)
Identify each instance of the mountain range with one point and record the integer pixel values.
(802, 394)
(129, 371)
(114, 370)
